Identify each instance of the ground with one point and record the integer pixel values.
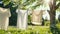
(31, 30)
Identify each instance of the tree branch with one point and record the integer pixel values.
(57, 6)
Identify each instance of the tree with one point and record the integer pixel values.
(52, 11)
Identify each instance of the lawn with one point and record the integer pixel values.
(30, 30)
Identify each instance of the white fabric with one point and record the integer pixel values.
(4, 18)
(37, 17)
(47, 16)
(22, 19)
(36, 23)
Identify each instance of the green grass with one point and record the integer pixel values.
(31, 29)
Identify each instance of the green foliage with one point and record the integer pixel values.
(29, 19)
(58, 25)
(6, 2)
(22, 4)
(47, 23)
(13, 18)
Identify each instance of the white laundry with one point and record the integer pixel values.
(37, 17)
(4, 18)
(22, 19)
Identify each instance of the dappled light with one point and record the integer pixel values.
(29, 16)
(47, 1)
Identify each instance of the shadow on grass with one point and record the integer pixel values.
(55, 29)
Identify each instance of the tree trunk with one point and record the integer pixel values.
(52, 18)
(52, 21)
(52, 13)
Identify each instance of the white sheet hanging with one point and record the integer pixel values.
(22, 19)
(37, 17)
(4, 18)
